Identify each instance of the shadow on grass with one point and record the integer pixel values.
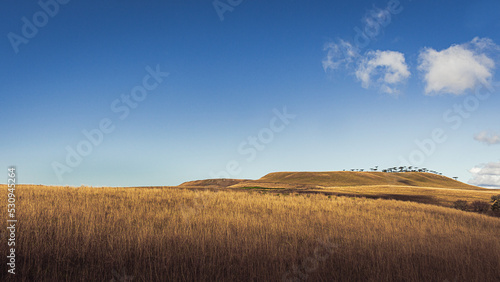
(412, 198)
(262, 188)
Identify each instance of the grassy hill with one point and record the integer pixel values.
(418, 187)
(337, 179)
(212, 183)
(349, 178)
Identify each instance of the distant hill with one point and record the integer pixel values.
(290, 180)
(212, 183)
(419, 187)
(350, 178)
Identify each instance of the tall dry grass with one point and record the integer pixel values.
(171, 234)
(428, 195)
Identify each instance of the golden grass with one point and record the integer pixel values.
(429, 195)
(172, 234)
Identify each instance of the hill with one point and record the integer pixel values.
(212, 183)
(349, 178)
(336, 179)
(418, 187)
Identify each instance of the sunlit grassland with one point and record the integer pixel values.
(173, 234)
(431, 195)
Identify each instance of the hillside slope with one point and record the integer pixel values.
(407, 186)
(212, 183)
(349, 178)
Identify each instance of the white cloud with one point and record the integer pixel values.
(488, 138)
(458, 68)
(389, 66)
(339, 54)
(375, 20)
(486, 175)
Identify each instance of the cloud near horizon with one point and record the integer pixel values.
(487, 138)
(459, 68)
(383, 69)
(486, 175)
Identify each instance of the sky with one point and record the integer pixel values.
(154, 93)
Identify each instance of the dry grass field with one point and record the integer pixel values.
(181, 234)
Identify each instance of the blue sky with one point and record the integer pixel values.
(293, 76)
